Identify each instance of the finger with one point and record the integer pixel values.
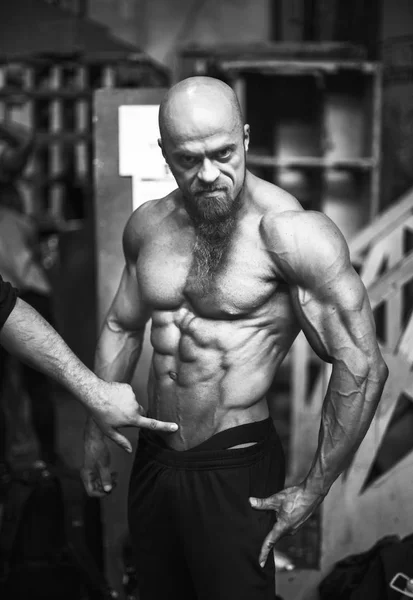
(99, 488)
(120, 440)
(91, 487)
(264, 503)
(269, 543)
(114, 477)
(157, 425)
(106, 478)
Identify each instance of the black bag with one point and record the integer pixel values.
(43, 549)
(368, 575)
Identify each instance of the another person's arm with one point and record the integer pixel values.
(332, 306)
(33, 340)
(118, 350)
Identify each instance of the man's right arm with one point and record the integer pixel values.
(118, 350)
(121, 338)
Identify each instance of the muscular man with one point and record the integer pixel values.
(229, 268)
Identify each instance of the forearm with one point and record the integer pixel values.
(34, 341)
(349, 406)
(118, 351)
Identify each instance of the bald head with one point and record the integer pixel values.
(204, 142)
(198, 107)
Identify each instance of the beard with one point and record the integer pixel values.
(213, 209)
(214, 220)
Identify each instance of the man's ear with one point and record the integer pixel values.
(161, 147)
(246, 137)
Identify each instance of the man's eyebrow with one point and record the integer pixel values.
(229, 145)
(184, 152)
(187, 152)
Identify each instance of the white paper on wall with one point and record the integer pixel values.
(139, 154)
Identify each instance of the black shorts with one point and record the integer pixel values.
(194, 532)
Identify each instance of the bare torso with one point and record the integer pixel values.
(215, 353)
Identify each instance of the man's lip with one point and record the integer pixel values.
(209, 192)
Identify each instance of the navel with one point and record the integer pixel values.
(173, 375)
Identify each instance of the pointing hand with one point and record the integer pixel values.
(115, 406)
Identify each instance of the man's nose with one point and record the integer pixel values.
(208, 173)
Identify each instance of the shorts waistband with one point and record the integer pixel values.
(214, 453)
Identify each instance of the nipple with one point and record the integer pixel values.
(173, 375)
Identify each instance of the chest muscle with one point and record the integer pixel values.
(241, 285)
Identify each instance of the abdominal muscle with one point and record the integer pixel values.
(207, 388)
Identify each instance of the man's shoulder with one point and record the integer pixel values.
(269, 197)
(155, 209)
(303, 240)
(296, 221)
(145, 221)
(151, 213)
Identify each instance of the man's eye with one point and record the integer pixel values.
(188, 160)
(224, 153)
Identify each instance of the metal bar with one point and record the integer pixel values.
(391, 282)
(31, 168)
(276, 28)
(109, 77)
(2, 86)
(82, 126)
(292, 66)
(91, 58)
(56, 150)
(310, 162)
(376, 144)
(239, 87)
(45, 93)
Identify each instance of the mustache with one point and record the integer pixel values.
(205, 189)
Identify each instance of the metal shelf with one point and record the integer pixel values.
(295, 67)
(310, 162)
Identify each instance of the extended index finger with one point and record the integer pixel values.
(272, 538)
(156, 425)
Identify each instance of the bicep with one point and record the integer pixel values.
(128, 310)
(336, 318)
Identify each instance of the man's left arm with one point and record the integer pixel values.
(333, 309)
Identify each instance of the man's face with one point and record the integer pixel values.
(209, 167)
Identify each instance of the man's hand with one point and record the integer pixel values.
(115, 406)
(293, 507)
(96, 475)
